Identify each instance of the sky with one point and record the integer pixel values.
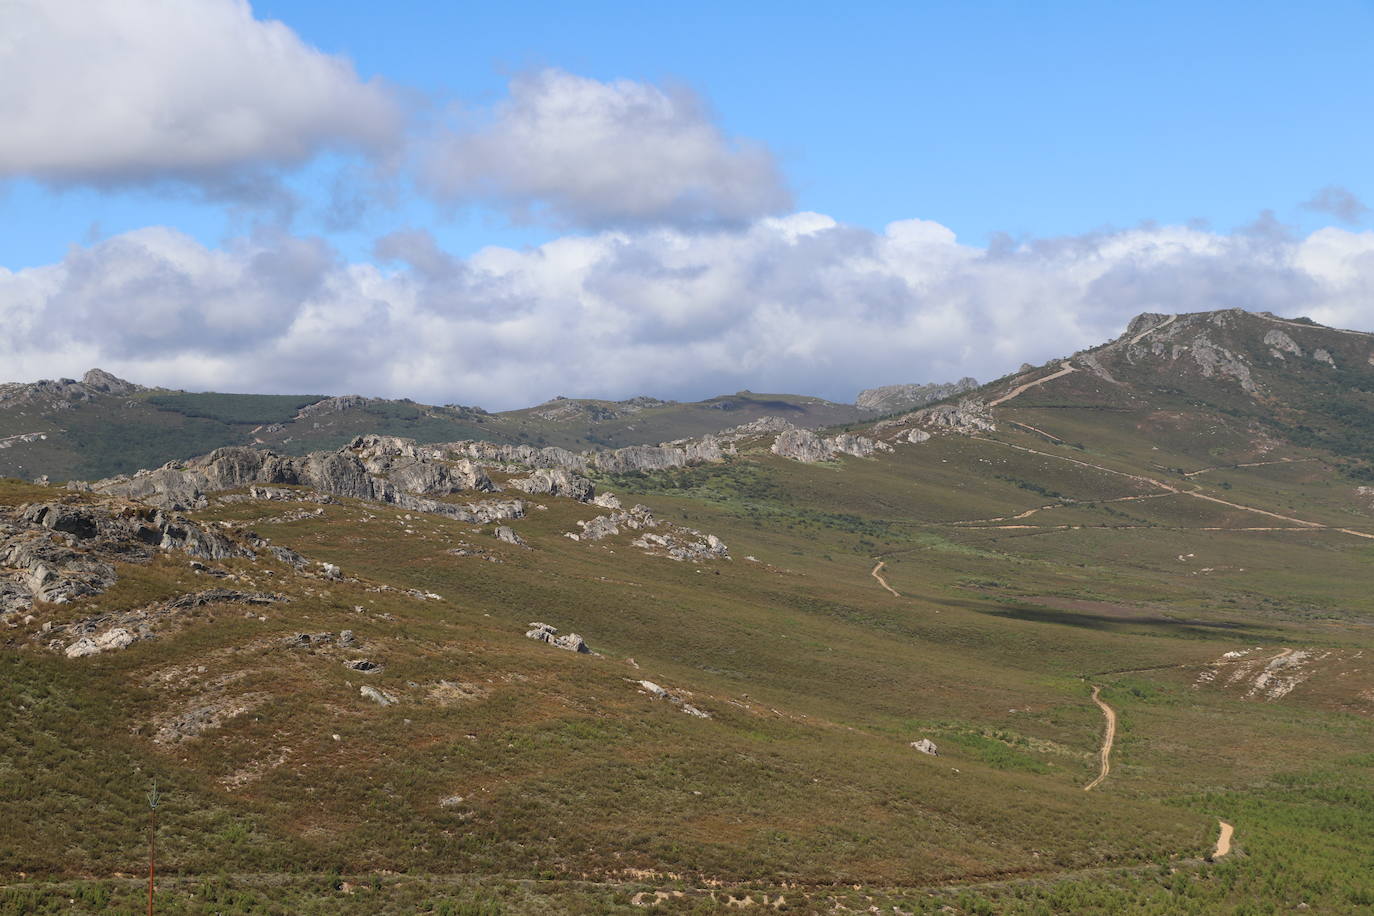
(498, 203)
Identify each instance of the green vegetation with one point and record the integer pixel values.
(244, 409)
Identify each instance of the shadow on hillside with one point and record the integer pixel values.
(1154, 624)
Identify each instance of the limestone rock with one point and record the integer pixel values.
(377, 695)
(555, 482)
(805, 446)
(1280, 343)
(802, 445)
(892, 398)
(926, 746)
(546, 633)
(507, 534)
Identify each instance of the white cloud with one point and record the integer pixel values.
(581, 152)
(798, 303)
(110, 92)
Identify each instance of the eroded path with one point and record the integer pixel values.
(878, 574)
(1065, 369)
(1104, 756)
(1223, 841)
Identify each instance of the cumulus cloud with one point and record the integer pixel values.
(118, 92)
(580, 152)
(1338, 202)
(799, 303)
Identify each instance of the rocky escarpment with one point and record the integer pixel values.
(684, 453)
(57, 552)
(375, 468)
(805, 446)
(892, 398)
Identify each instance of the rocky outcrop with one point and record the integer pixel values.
(802, 445)
(57, 552)
(377, 695)
(892, 398)
(549, 634)
(376, 469)
(683, 544)
(661, 693)
(64, 393)
(107, 632)
(1280, 343)
(507, 535)
(635, 518)
(1214, 360)
(805, 446)
(926, 746)
(555, 482)
(105, 383)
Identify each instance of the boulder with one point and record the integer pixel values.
(507, 534)
(926, 746)
(546, 633)
(376, 695)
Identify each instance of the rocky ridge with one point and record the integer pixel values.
(892, 398)
(63, 393)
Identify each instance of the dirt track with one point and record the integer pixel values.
(1065, 369)
(878, 574)
(1108, 737)
(1223, 841)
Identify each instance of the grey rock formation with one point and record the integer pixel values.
(661, 693)
(507, 534)
(369, 468)
(802, 445)
(1280, 343)
(1323, 356)
(1215, 360)
(64, 393)
(805, 446)
(118, 630)
(892, 398)
(56, 552)
(683, 544)
(555, 482)
(377, 695)
(926, 746)
(636, 518)
(549, 634)
(965, 417)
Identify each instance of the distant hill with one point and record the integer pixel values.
(102, 425)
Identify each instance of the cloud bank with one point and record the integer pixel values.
(144, 91)
(579, 152)
(799, 303)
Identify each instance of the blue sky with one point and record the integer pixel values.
(1024, 118)
(1031, 121)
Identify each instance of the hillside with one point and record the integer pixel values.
(357, 674)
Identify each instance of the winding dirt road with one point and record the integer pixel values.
(878, 574)
(1108, 737)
